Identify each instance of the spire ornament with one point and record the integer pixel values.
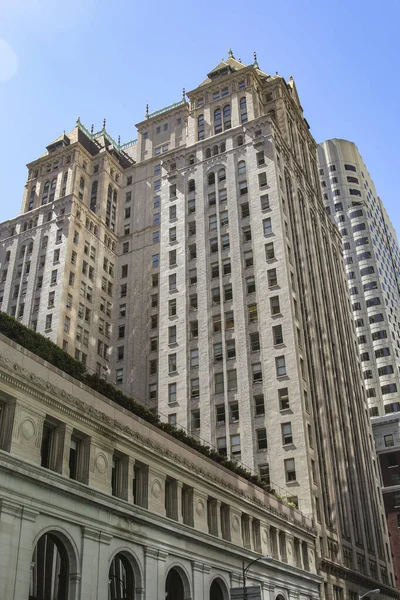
(230, 53)
(183, 93)
(92, 129)
(255, 64)
(147, 111)
(119, 140)
(104, 124)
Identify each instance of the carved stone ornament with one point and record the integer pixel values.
(235, 523)
(156, 488)
(101, 463)
(27, 429)
(200, 508)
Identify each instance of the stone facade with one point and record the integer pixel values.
(372, 258)
(134, 492)
(217, 296)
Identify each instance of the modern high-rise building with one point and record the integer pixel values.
(197, 269)
(372, 257)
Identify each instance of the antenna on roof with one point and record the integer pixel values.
(255, 64)
(147, 111)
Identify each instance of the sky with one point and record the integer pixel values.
(107, 59)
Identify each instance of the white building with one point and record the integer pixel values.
(96, 504)
(372, 257)
(200, 272)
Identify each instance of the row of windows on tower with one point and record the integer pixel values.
(222, 119)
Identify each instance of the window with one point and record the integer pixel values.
(172, 308)
(232, 382)
(230, 349)
(267, 226)
(235, 445)
(155, 260)
(217, 121)
(290, 470)
(171, 363)
(172, 258)
(277, 335)
(272, 277)
(171, 393)
(196, 419)
(193, 276)
(275, 306)
(220, 414)
(219, 383)
(192, 228)
(283, 397)
(213, 245)
(229, 320)
(391, 388)
(260, 158)
(49, 319)
(172, 334)
(218, 351)
(172, 213)
(262, 438)
(195, 387)
(244, 207)
(280, 364)
(194, 358)
(243, 110)
(228, 295)
(223, 218)
(287, 437)
(388, 440)
(191, 185)
(243, 188)
(248, 258)
(264, 200)
(269, 251)
(200, 127)
(255, 341)
(350, 168)
(250, 285)
(262, 180)
(172, 283)
(257, 372)
(241, 168)
(194, 329)
(252, 312)
(259, 405)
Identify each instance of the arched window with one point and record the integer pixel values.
(93, 196)
(22, 251)
(53, 190)
(200, 127)
(208, 153)
(45, 195)
(211, 178)
(218, 590)
(222, 147)
(191, 159)
(241, 167)
(227, 117)
(239, 140)
(191, 185)
(50, 572)
(121, 579)
(215, 150)
(174, 589)
(243, 110)
(221, 175)
(217, 121)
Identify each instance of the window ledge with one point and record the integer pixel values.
(290, 446)
(292, 483)
(286, 411)
(173, 291)
(173, 373)
(282, 377)
(173, 344)
(173, 317)
(274, 287)
(281, 345)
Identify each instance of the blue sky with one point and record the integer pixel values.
(98, 58)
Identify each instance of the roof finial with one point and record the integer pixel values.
(230, 53)
(119, 140)
(78, 121)
(147, 111)
(183, 93)
(240, 60)
(104, 124)
(92, 129)
(255, 64)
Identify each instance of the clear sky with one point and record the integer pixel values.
(108, 58)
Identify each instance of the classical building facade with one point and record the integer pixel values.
(96, 504)
(372, 257)
(387, 440)
(198, 270)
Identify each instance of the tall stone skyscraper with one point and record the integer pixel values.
(198, 269)
(372, 257)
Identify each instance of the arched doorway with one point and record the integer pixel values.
(50, 569)
(174, 589)
(121, 580)
(216, 591)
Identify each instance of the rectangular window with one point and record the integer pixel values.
(172, 282)
(232, 380)
(172, 308)
(172, 258)
(264, 201)
(196, 419)
(220, 414)
(194, 329)
(255, 342)
(172, 213)
(171, 363)
(194, 358)
(253, 313)
(219, 383)
(235, 445)
(171, 393)
(262, 180)
(269, 251)
(234, 412)
(250, 285)
(195, 387)
(230, 349)
(287, 437)
(290, 470)
(172, 334)
(229, 320)
(280, 364)
(259, 405)
(257, 372)
(275, 306)
(277, 335)
(283, 396)
(248, 259)
(272, 277)
(262, 438)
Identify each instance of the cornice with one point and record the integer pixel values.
(47, 393)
